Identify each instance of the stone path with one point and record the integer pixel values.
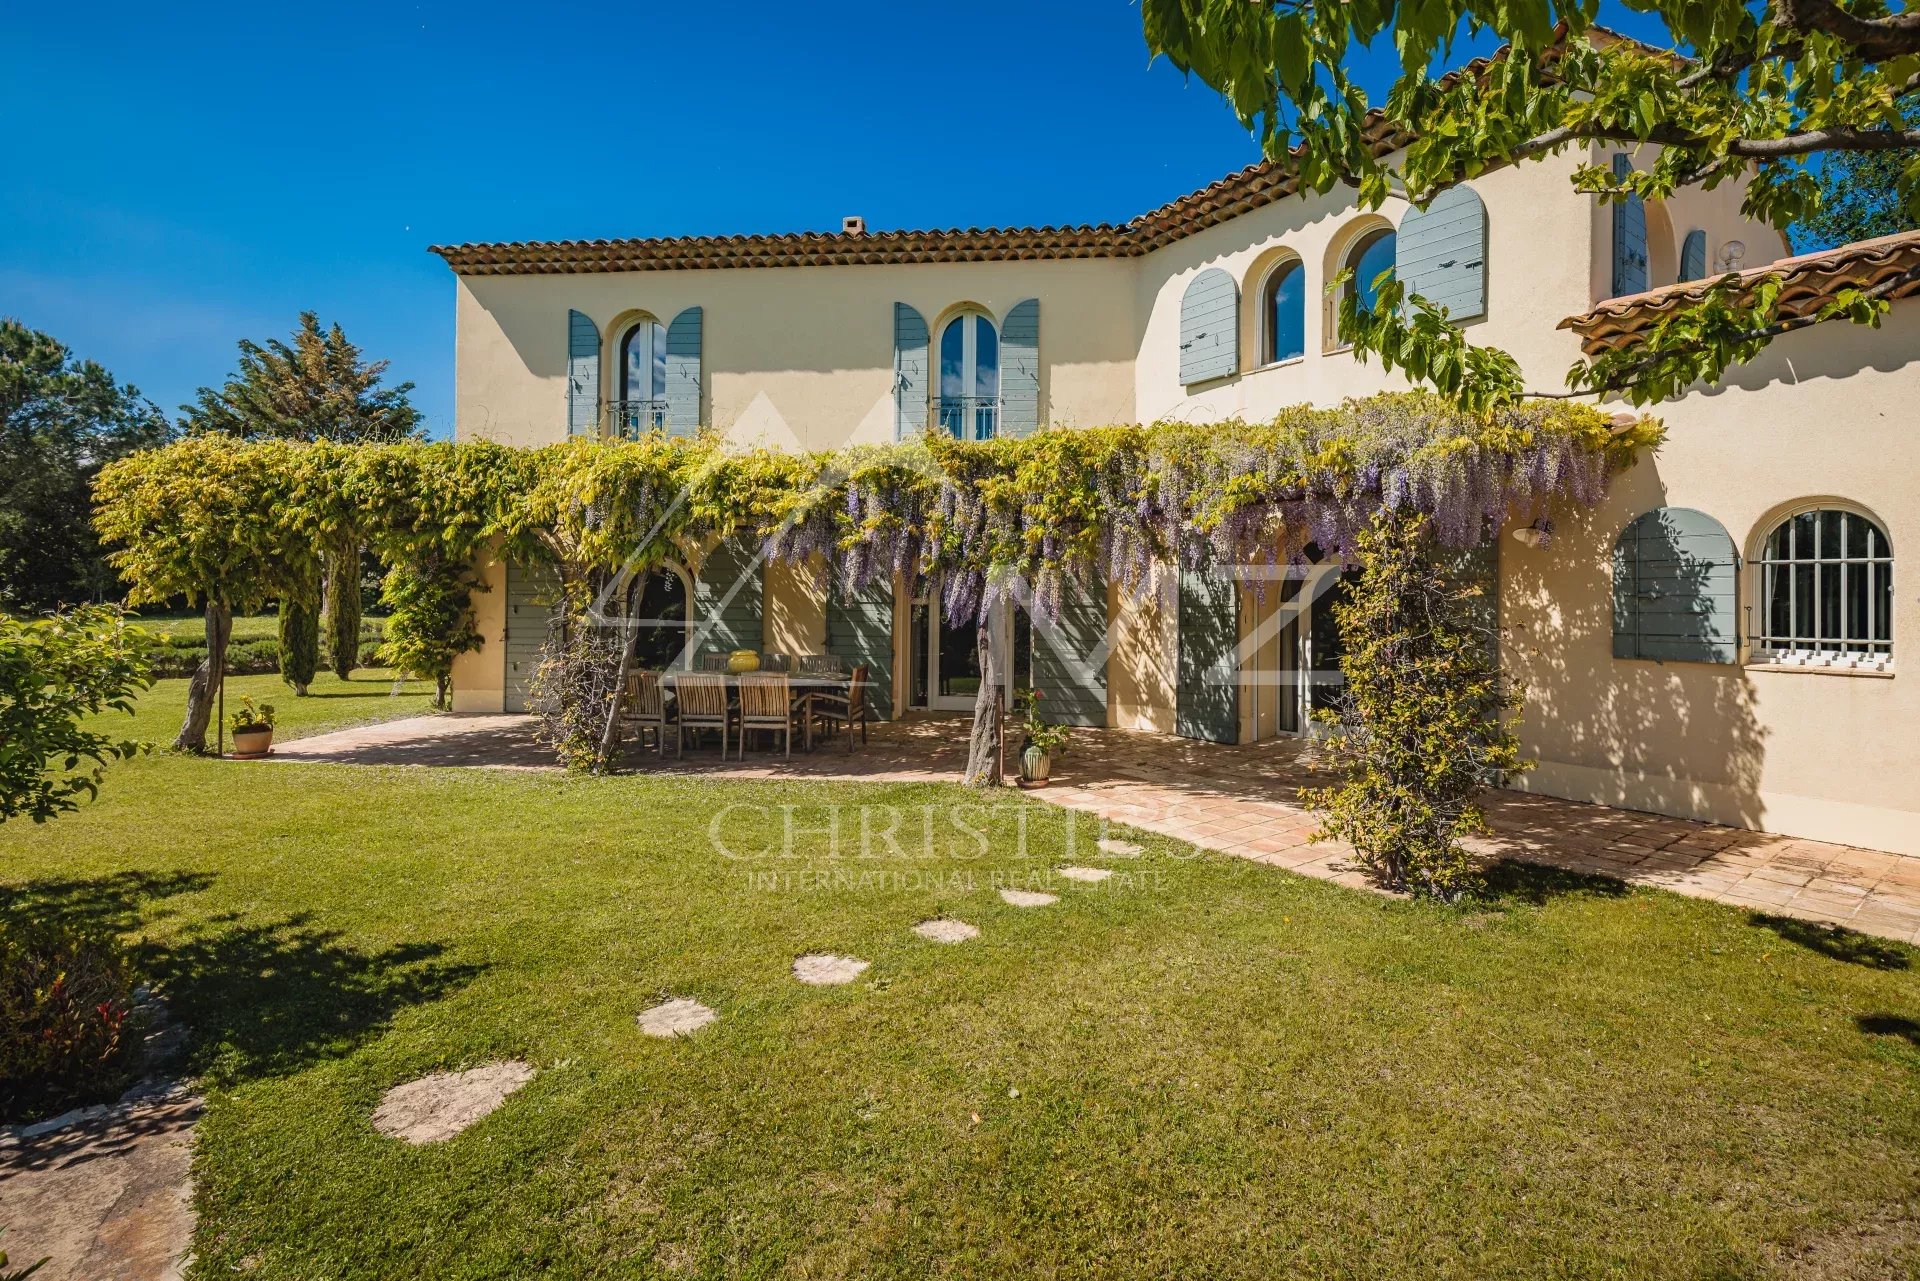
(1244, 801)
(104, 1196)
(435, 1108)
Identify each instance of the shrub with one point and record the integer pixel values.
(299, 655)
(65, 1033)
(57, 674)
(184, 654)
(1426, 724)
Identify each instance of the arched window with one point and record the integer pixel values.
(968, 401)
(642, 405)
(1826, 586)
(1283, 313)
(1371, 256)
(659, 611)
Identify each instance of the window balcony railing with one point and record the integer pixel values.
(968, 417)
(632, 419)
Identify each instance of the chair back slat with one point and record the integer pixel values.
(709, 661)
(764, 696)
(701, 695)
(776, 662)
(644, 699)
(819, 665)
(857, 691)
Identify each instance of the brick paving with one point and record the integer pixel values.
(1243, 801)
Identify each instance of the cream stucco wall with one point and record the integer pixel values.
(1537, 233)
(1827, 413)
(480, 676)
(794, 357)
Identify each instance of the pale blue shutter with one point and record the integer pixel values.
(728, 602)
(1629, 237)
(1440, 253)
(583, 375)
(1693, 255)
(533, 602)
(1020, 370)
(909, 372)
(683, 373)
(859, 631)
(1675, 577)
(1207, 694)
(1209, 328)
(1070, 657)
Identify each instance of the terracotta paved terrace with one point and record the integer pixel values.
(1243, 801)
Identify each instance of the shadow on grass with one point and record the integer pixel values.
(1889, 1025)
(258, 997)
(1837, 942)
(1512, 883)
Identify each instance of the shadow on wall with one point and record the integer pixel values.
(1678, 738)
(258, 998)
(1836, 349)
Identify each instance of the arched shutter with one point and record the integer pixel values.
(1020, 369)
(728, 603)
(1693, 255)
(1070, 656)
(1675, 577)
(1629, 237)
(1440, 253)
(583, 375)
(1207, 696)
(683, 373)
(1209, 328)
(909, 372)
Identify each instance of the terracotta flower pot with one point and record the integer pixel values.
(251, 744)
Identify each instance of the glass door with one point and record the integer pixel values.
(952, 655)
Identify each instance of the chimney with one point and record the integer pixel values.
(853, 225)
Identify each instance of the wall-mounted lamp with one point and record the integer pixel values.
(1538, 534)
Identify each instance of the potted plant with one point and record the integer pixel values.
(1040, 742)
(252, 726)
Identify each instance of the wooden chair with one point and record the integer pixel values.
(711, 660)
(646, 709)
(702, 700)
(767, 703)
(845, 710)
(776, 662)
(820, 665)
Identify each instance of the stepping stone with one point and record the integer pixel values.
(1120, 849)
(1028, 898)
(822, 969)
(942, 930)
(435, 1108)
(681, 1017)
(1084, 873)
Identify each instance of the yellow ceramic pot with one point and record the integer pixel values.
(743, 660)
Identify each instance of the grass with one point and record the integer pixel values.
(245, 626)
(371, 694)
(1202, 1067)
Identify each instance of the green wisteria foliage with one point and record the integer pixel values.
(1749, 94)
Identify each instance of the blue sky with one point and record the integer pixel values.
(181, 180)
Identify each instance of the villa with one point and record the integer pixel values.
(1715, 641)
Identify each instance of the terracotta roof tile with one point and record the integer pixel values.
(1808, 281)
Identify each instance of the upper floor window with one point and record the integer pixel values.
(1826, 584)
(642, 403)
(1283, 313)
(967, 403)
(1371, 257)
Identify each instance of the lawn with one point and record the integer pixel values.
(371, 694)
(1200, 1067)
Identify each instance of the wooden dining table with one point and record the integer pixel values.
(799, 684)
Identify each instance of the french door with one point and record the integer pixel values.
(1293, 654)
(946, 657)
